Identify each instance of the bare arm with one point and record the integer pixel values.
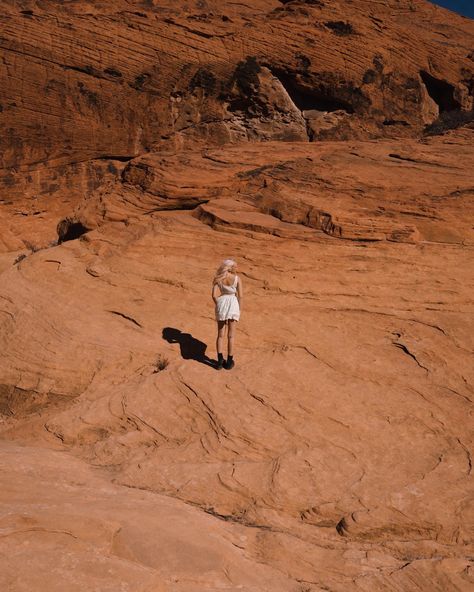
(215, 292)
(240, 292)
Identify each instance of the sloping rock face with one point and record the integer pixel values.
(408, 191)
(145, 142)
(336, 455)
(83, 533)
(87, 83)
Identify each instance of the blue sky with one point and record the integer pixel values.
(465, 7)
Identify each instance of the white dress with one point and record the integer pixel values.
(227, 306)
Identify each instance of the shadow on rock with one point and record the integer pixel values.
(191, 348)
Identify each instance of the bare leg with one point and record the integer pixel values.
(230, 338)
(220, 336)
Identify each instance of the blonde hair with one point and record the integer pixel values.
(223, 270)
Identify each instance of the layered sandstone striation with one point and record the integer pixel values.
(336, 455)
(87, 83)
(147, 141)
(401, 191)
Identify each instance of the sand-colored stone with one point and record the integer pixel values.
(79, 532)
(402, 191)
(142, 143)
(340, 446)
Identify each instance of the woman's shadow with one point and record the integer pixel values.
(191, 348)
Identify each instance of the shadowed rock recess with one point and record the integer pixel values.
(329, 148)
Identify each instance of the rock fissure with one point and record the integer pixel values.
(405, 350)
(127, 317)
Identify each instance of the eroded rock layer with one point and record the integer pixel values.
(87, 83)
(335, 456)
(144, 142)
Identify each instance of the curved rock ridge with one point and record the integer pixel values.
(86, 83)
(336, 455)
(408, 191)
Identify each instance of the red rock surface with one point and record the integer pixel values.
(87, 82)
(337, 454)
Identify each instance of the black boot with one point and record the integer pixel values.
(220, 361)
(230, 363)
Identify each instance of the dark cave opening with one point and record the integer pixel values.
(318, 98)
(69, 230)
(441, 92)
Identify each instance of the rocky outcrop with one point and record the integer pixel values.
(410, 191)
(86, 83)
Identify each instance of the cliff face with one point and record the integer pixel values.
(85, 83)
(145, 142)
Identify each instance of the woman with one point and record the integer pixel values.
(228, 284)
